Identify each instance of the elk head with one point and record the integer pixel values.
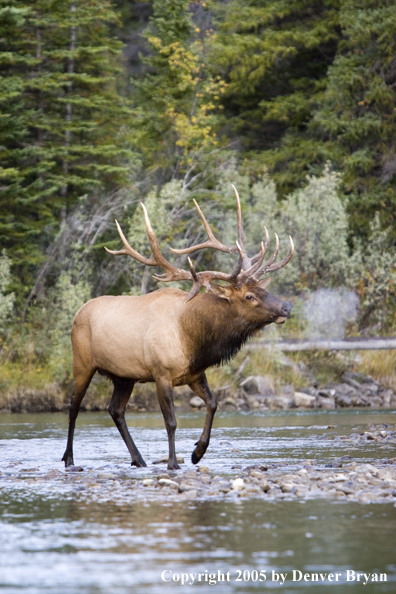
(244, 284)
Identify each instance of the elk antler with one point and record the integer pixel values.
(172, 273)
(251, 267)
(245, 269)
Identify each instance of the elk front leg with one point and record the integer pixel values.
(121, 394)
(200, 388)
(165, 398)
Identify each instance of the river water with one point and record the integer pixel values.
(53, 540)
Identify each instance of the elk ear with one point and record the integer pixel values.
(224, 292)
(264, 283)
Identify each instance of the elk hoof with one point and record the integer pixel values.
(139, 463)
(195, 458)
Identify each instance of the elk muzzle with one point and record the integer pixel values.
(284, 312)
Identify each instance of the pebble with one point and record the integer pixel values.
(345, 479)
(163, 482)
(203, 469)
(165, 458)
(237, 484)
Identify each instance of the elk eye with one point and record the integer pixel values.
(250, 297)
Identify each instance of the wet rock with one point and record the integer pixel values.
(305, 400)
(55, 473)
(376, 402)
(309, 390)
(197, 402)
(165, 458)
(163, 482)
(343, 400)
(203, 469)
(249, 490)
(325, 402)
(341, 389)
(107, 475)
(258, 384)
(388, 398)
(256, 474)
(148, 482)
(280, 402)
(288, 487)
(74, 469)
(256, 401)
(186, 486)
(190, 495)
(237, 484)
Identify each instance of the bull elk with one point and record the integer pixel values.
(170, 337)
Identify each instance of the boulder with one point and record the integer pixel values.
(280, 402)
(326, 402)
(258, 384)
(305, 400)
(197, 402)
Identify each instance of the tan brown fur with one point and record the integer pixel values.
(170, 337)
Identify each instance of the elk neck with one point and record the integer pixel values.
(214, 331)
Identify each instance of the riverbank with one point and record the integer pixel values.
(257, 392)
(266, 380)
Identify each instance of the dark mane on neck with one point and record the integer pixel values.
(215, 336)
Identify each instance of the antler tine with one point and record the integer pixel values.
(171, 272)
(264, 267)
(239, 221)
(269, 266)
(129, 251)
(212, 242)
(251, 272)
(266, 246)
(197, 282)
(283, 262)
(235, 273)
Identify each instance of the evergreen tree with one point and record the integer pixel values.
(356, 119)
(274, 56)
(176, 99)
(60, 130)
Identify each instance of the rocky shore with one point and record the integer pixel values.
(252, 393)
(343, 479)
(258, 393)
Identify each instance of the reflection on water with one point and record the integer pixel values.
(53, 542)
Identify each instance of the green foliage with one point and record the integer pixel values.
(287, 86)
(374, 278)
(175, 100)
(315, 216)
(6, 298)
(356, 117)
(64, 300)
(274, 56)
(60, 129)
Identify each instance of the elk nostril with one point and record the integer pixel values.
(286, 309)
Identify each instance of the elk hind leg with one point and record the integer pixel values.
(200, 388)
(82, 379)
(122, 391)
